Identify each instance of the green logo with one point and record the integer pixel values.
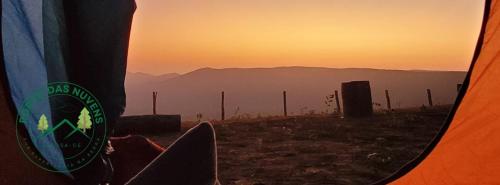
(76, 120)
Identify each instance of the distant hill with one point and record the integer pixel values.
(259, 90)
(142, 78)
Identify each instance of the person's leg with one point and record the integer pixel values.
(98, 37)
(191, 160)
(132, 154)
(98, 34)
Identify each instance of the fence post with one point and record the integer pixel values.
(429, 97)
(337, 101)
(223, 113)
(284, 104)
(388, 99)
(155, 95)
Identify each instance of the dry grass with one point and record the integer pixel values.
(320, 149)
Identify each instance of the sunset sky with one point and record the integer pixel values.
(184, 35)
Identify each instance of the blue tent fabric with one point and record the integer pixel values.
(23, 46)
(53, 40)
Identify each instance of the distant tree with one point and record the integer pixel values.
(303, 110)
(377, 105)
(237, 111)
(329, 102)
(84, 120)
(199, 116)
(312, 112)
(43, 124)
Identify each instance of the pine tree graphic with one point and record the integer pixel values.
(84, 120)
(43, 124)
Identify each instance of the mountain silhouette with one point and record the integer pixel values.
(141, 78)
(258, 91)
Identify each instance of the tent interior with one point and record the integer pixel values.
(464, 151)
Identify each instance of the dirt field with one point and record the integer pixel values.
(320, 149)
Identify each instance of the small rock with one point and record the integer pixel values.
(371, 155)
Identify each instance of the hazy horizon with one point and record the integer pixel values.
(183, 73)
(258, 91)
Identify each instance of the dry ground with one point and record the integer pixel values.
(320, 149)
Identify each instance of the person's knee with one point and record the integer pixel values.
(205, 128)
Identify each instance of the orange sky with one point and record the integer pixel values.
(184, 35)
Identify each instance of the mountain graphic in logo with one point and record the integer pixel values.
(84, 123)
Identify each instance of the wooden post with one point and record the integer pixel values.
(388, 100)
(357, 99)
(429, 97)
(284, 104)
(155, 95)
(223, 113)
(337, 101)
